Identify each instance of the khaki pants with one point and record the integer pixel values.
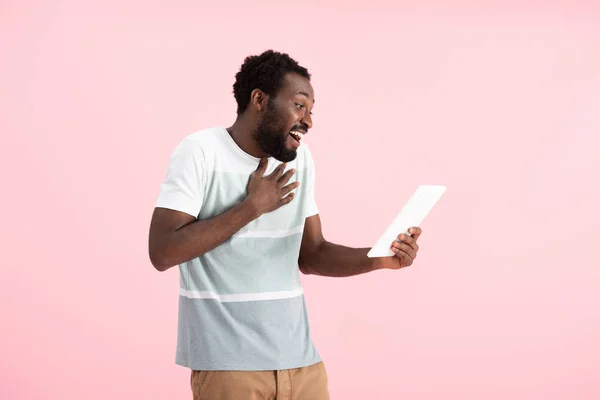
(307, 383)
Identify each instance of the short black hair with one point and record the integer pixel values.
(265, 72)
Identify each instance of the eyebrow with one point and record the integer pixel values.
(305, 94)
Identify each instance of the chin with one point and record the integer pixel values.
(290, 155)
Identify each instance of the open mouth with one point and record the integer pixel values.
(297, 135)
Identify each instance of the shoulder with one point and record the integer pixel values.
(202, 139)
(304, 149)
(305, 157)
(199, 144)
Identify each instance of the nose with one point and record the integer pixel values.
(307, 119)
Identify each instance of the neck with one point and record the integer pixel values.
(242, 133)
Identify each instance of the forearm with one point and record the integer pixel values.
(201, 236)
(334, 260)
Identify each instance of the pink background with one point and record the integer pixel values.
(498, 102)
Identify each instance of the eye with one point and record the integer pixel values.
(301, 106)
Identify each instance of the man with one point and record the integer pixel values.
(237, 213)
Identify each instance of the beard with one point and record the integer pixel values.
(271, 135)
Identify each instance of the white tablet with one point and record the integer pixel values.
(412, 214)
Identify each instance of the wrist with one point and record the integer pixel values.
(250, 208)
(379, 263)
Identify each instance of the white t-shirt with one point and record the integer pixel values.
(241, 305)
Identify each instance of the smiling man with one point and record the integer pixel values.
(237, 213)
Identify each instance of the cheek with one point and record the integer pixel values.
(288, 120)
(295, 116)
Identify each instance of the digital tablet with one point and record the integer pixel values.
(412, 214)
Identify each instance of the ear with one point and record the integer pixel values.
(259, 100)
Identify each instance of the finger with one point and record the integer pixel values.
(412, 253)
(286, 189)
(415, 232)
(278, 171)
(406, 259)
(285, 200)
(409, 241)
(262, 166)
(286, 177)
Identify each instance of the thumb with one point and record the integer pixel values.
(262, 166)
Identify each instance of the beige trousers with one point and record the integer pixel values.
(307, 383)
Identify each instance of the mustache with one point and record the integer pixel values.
(300, 127)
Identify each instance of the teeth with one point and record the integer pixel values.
(297, 134)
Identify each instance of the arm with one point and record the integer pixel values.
(320, 257)
(176, 237)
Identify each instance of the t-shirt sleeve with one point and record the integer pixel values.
(183, 187)
(311, 202)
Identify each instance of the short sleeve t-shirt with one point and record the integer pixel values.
(241, 305)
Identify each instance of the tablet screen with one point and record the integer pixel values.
(412, 214)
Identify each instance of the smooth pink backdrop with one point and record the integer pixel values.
(498, 101)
